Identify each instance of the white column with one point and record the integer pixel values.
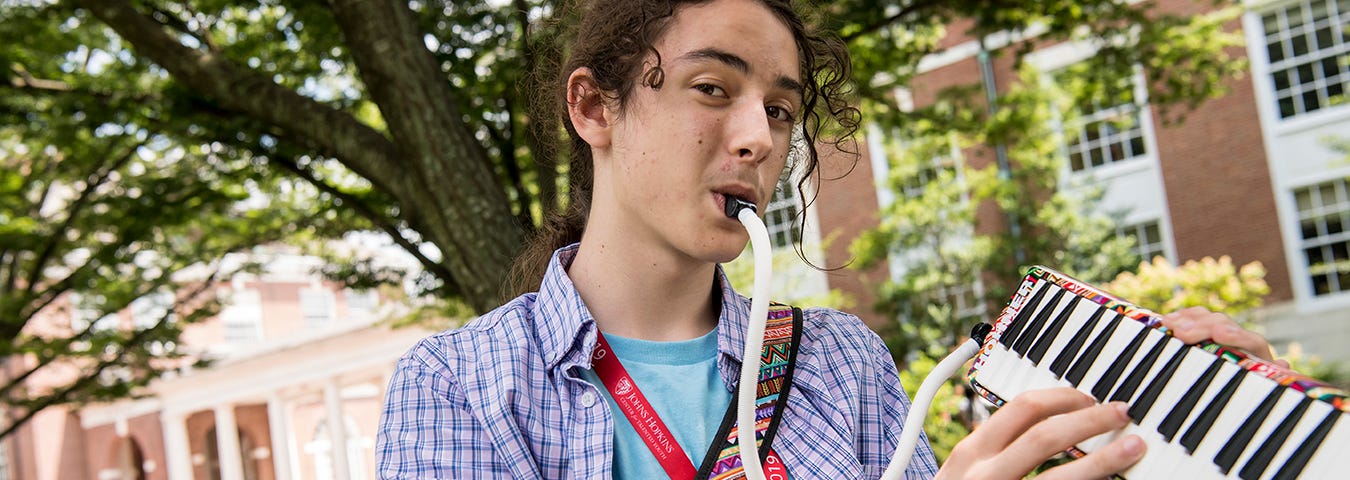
(178, 456)
(227, 444)
(332, 396)
(293, 448)
(279, 427)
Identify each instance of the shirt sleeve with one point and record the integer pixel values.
(427, 429)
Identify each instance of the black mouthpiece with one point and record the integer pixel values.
(980, 331)
(735, 205)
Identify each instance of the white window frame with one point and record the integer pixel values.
(1327, 241)
(316, 296)
(1136, 229)
(1335, 21)
(1253, 25)
(1293, 136)
(783, 212)
(241, 318)
(361, 304)
(1063, 55)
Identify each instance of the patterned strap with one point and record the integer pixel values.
(782, 334)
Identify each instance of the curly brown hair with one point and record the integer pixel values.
(612, 39)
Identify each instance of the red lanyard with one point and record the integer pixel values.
(647, 423)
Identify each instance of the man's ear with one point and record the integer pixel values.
(586, 106)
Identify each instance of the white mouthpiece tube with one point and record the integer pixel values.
(918, 407)
(754, 342)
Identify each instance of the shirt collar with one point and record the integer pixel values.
(562, 321)
(566, 328)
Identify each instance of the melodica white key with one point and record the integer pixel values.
(1204, 411)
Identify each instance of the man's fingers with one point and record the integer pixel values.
(1192, 325)
(1060, 432)
(1028, 409)
(1115, 457)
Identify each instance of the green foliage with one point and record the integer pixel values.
(956, 271)
(786, 287)
(1217, 285)
(943, 424)
(1332, 373)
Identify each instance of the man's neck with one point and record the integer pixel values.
(645, 293)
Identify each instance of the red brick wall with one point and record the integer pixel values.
(145, 431)
(1219, 188)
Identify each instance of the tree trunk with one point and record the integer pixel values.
(441, 176)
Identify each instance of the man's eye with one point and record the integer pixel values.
(778, 113)
(710, 89)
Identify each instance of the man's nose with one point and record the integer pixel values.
(750, 133)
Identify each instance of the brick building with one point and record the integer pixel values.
(1252, 175)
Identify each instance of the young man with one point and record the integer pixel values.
(674, 106)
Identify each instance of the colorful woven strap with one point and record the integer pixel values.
(782, 333)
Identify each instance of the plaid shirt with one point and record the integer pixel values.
(501, 397)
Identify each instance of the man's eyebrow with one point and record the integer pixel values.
(734, 61)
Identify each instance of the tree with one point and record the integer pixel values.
(958, 273)
(417, 119)
(99, 215)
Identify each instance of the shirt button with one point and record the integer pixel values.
(587, 399)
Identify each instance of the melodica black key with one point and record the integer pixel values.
(1238, 443)
(1094, 350)
(1066, 356)
(1155, 386)
(1038, 350)
(1294, 466)
(1266, 453)
(1183, 408)
(1108, 380)
(1191, 408)
(1033, 329)
(1126, 390)
(1010, 335)
(1206, 419)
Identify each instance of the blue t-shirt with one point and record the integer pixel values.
(681, 381)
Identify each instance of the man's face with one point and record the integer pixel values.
(720, 124)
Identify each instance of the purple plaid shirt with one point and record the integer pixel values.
(501, 397)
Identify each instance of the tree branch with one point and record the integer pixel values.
(338, 134)
(170, 20)
(64, 394)
(460, 205)
(382, 222)
(512, 163)
(73, 211)
(905, 11)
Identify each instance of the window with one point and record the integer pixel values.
(1306, 43)
(316, 304)
(1324, 216)
(913, 186)
(1147, 239)
(242, 317)
(361, 304)
(781, 215)
(1107, 132)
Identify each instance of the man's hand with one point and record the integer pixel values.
(1035, 426)
(1192, 325)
